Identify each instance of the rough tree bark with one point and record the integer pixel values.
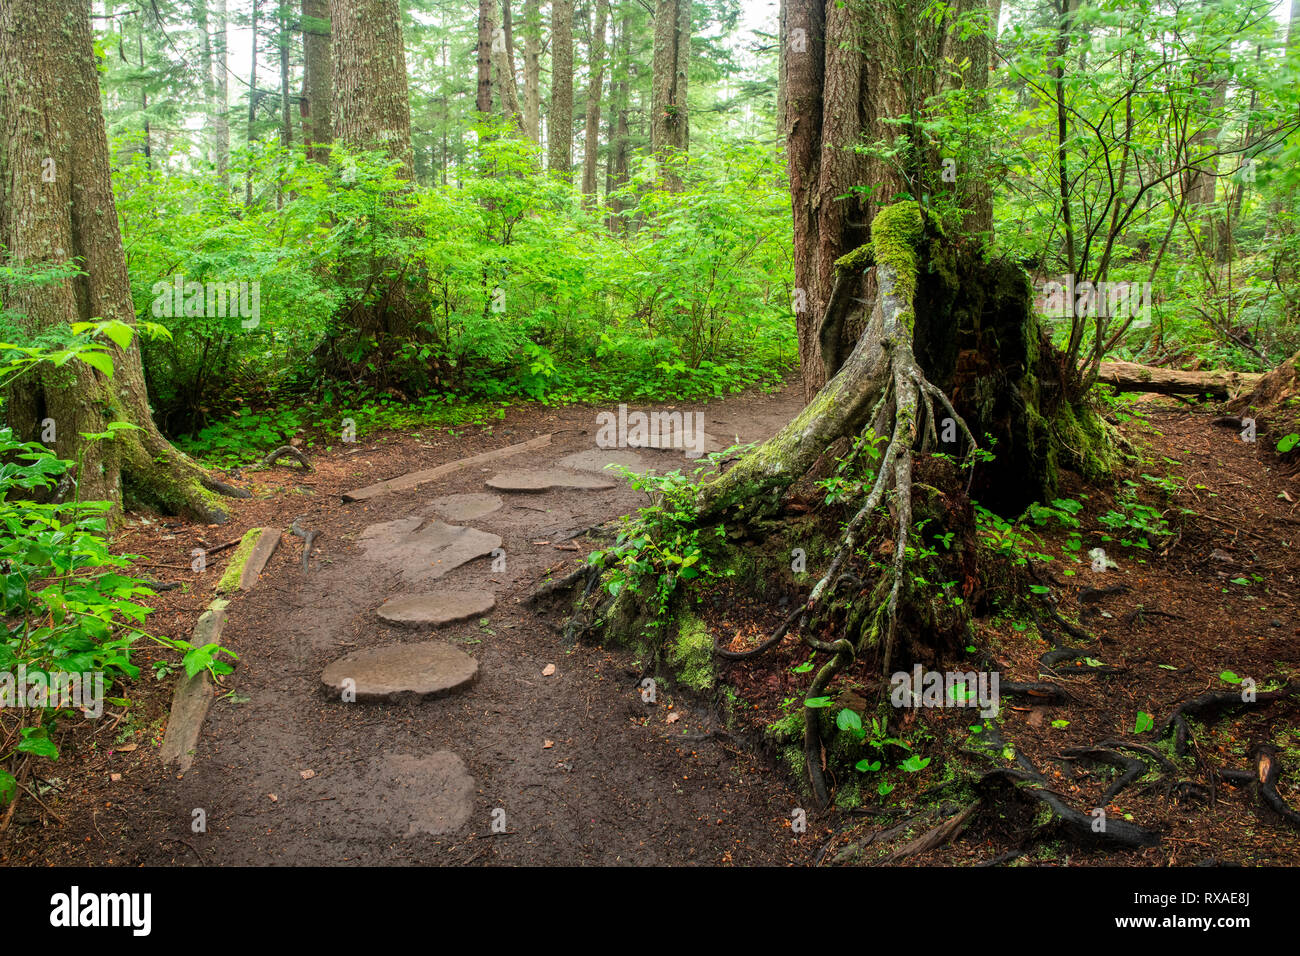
(503, 47)
(591, 143)
(58, 209)
(559, 134)
(317, 94)
(372, 112)
(533, 70)
(670, 119)
(221, 81)
(483, 55)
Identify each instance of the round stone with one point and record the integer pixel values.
(436, 608)
(422, 793)
(428, 669)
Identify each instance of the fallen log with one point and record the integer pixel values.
(1131, 377)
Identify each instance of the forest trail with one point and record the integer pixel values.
(579, 769)
(575, 768)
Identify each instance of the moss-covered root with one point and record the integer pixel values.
(157, 474)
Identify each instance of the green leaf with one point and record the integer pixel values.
(1143, 723)
(97, 360)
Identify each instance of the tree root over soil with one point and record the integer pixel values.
(880, 396)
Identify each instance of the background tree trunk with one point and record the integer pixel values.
(57, 208)
(486, 23)
(369, 70)
(221, 119)
(596, 59)
(533, 70)
(317, 94)
(670, 119)
(805, 51)
(505, 58)
(560, 126)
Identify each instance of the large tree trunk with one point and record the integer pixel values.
(619, 144)
(372, 112)
(317, 95)
(805, 52)
(945, 350)
(855, 74)
(596, 60)
(58, 209)
(369, 70)
(559, 141)
(670, 119)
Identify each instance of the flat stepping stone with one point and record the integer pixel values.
(465, 507)
(423, 548)
(598, 458)
(436, 608)
(400, 671)
(421, 793)
(551, 479)
(415, 478)
(674, 440)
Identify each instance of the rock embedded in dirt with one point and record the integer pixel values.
(422, 793)
(552, 479)
(399, 671)
(596, 459)
(465, 507)
(423, 548)
(437, 607)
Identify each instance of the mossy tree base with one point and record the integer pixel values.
(950, 359)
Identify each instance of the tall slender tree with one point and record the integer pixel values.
(596, 59)
(533, 70)
(559, 139)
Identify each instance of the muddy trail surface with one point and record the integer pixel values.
(551, 755)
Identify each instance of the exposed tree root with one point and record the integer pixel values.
(285, 451)
(1214, 702)
(1268, 766)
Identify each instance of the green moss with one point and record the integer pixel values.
(235, 570)
(863, 257)
(1087, 442)
(691, 653)
(895, 234)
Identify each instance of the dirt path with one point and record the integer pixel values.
(575, 765)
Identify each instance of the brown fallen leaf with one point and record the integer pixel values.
(673, 718)
(548, 670)
(126, 748)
